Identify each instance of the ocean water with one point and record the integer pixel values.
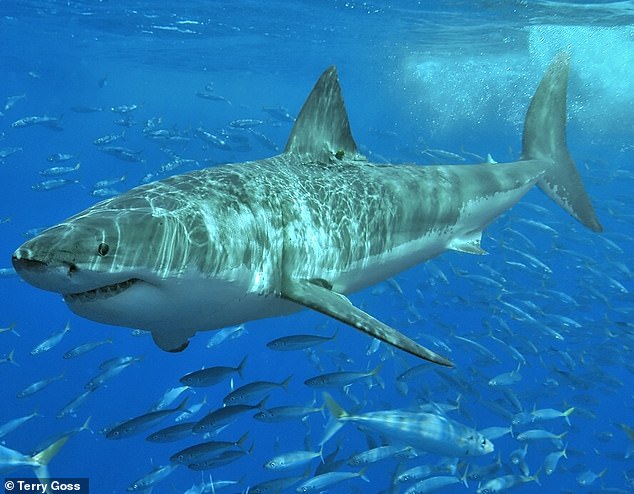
(442, 83)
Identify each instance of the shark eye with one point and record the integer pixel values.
(103, 249)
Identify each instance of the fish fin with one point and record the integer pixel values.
(170, 341)
(322, 129)
(241, 365)
(544, 139)
(334, 408)
(44, 457)
(285, 382)
(468, 244)
(242, 439)
(336, 305)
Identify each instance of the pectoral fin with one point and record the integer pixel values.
(333, 304)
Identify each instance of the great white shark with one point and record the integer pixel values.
(228, 244)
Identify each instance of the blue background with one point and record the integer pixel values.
(458, 78)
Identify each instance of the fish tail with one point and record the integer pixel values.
(567, 413)
(535, 477)
(361, 474)
(241, 365)
(285, 382)
(545, 140)
(334, 408)
(464, 477)
(85, 427)
(242, 439)
(44, 457)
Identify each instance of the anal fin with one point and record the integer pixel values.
(173, 342)
(338, 306)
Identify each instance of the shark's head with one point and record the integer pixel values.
(85, 256)
(93, 258)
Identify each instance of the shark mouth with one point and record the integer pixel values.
(100, 293)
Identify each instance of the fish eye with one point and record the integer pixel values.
(483, 443)
(102, 249)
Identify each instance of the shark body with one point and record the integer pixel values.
(225, 245)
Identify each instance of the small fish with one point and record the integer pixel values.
(169, 397)
(506, 378)
(12, 100)
(38, 386)
(109, 369)
(435, 483)
(211, 96)
(264, 140)
(59, 157)
(222, 459)
(212, 139)
(550, 414)
(200, 452)
(12, 425)
(141, 423)
(285, 413)
(123, 153)
(442, 154)
(245, 123)
(226, 334)
(108, 139)
(71, 407)
(172, 433)
(53, 123)
(280, 113)
(381, 453)
(86, 109)
(319, 483)
(6, 152)
(589, 477)
(342, 378)
(54, 183)
(109, 182)
(104, 192)
(540, 435)
(189, 412)
(298, 342)
(504, 483)
(224, 415)
(291, 460)
(152, 478)
(211, 375)
(124, 108)
(552, 459)
(59, 170)
(51, 342)
(85, 348)
(253, 391)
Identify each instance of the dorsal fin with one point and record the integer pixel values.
(322, 129)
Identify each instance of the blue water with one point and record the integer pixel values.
(455, 78)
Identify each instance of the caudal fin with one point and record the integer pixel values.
(545, 140)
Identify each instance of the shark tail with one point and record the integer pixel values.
(545, 140)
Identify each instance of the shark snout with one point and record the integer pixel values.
(23, 262)
(40, 273)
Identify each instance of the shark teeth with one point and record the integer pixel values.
(101, 292)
